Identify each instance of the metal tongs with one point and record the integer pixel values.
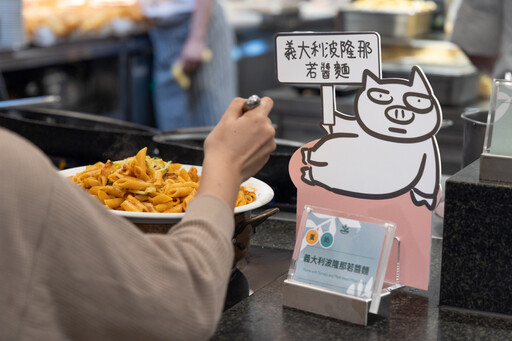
(251, 103)
(30, 101)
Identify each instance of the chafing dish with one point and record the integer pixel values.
(452, 76)
(388, 21)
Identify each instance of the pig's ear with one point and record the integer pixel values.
(418, 80)
(370, 80)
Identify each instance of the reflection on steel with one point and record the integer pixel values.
(251, 103)
(23, 102)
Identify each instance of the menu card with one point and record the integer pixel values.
(342, 252)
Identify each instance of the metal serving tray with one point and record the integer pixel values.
(452, 76)
(387, 24)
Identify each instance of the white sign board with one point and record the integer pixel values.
(326, 58)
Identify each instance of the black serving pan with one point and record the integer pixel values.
(473, 137)
(186, 146)
(77, 138)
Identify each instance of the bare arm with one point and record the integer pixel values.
(192, 53)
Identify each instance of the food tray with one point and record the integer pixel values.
(452, 76)
(406, 24)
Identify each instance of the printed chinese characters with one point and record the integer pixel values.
(336, 55)
(337, 264)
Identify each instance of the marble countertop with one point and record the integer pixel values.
(414, 314)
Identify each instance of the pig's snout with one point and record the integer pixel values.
(399, 115)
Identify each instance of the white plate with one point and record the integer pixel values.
(264, 194)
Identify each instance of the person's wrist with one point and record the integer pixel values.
(221, 163)
(195, 39)
(221, 178)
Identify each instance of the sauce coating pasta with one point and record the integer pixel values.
(144, 184)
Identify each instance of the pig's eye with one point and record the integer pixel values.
(380, 96)
(419, 102)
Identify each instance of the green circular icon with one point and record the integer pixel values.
(327, 239)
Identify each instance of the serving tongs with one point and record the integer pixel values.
(29, 101)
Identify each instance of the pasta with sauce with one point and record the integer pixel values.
(144, 184)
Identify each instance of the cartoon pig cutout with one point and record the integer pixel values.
(387, 149)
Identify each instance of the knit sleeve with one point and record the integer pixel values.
(96, 276)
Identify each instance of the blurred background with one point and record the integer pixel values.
(95, 55)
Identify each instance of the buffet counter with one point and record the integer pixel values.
(414, 314)
(70, 52)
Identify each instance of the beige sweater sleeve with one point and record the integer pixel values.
(72, 270)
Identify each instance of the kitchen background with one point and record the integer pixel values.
(96, 56)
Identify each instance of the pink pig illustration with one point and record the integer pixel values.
(387, 148)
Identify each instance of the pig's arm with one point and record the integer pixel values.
(343, 123)
(425, 192)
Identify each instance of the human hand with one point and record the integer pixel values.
(243, 141)
(192, 55)
(237, 148)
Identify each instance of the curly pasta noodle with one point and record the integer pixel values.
(144, 184)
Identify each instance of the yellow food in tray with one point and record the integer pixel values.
(66, 19)
(179, 75)
(144, 184)
(440, 53)
(394, 5)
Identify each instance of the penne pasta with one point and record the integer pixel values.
(240, 199)
(160, 199)
(144, 184)
(180, 191)
(114, 203)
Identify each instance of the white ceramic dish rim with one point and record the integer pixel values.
(264, 195)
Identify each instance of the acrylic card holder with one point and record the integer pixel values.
(338, 265)
(496, 159)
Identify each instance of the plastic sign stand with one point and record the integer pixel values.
(338, 265)
(383, 160)
(332, 304)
